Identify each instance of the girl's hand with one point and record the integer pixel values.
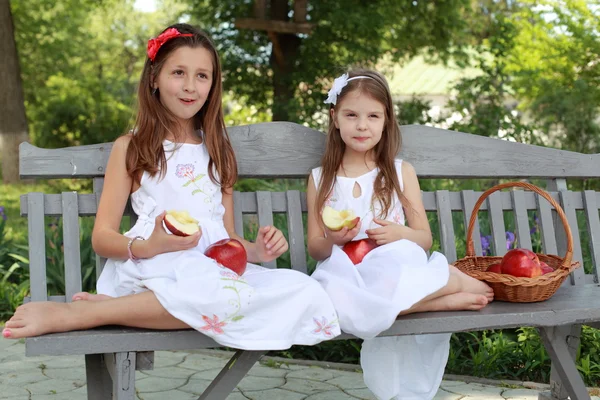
(270, 243)
(160, 241)
(389, 232)
(344, 235)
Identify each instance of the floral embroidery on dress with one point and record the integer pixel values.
(324, 327)
(187, 171)
(213, 324)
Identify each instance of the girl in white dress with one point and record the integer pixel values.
(180, 157)
(359, 172)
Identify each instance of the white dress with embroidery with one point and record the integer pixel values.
(369, 296)
(264, 309)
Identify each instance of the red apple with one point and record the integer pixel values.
(229, 253)
(358, 249)
(546, 269)
(335, 220)
(181, 223)
(521, 263)
(494, 268)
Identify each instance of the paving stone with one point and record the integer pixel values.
(60, 396)
(22, 378)
(250, 383)
(52, 386)
(443, 395)
(200, 362)
(168, 358)
(520, 394)
(12, 392)
(476, 391)
(273, 394)
(350, 380)
(307, 386)
(158, 384)
(314, 373)
(73, 374)
(195, 386)
(168, 372)
(171, 395)
(260, 370)
(364, 394)
(450, 384)
(63, 362)
(337, 395)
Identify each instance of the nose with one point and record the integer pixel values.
(361, 124)
(188, 84)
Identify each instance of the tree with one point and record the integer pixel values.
(344, 34)
(13, 122)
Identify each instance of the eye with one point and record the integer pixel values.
(351, 114)
(178, 72)
(202, 75)
(374, 116)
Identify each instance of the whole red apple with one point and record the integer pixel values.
(229, 253)
(521, 263)
(546, 269)
(494, 268)
(358, 249)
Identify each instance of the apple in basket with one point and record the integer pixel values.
(181, 223)
(230, 253)
(336, 220)
(358, 249)
(494, 268)
(521, 263)
(546, 269)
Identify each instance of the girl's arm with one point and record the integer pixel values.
(417, 229)
(270, 242)
(107, 241)
(320, 245)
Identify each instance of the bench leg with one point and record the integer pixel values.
(121, 367)
(233, 372)
(557, 343)
(99, 385)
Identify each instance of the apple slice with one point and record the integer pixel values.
(335, 220)
(181, 223)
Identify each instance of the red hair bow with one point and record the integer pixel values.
(154, 44)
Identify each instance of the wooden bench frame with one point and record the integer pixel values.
(286, 150)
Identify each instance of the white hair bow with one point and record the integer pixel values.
(338, 84)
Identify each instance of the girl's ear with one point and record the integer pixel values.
(333, 117)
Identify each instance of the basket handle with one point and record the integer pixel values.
(471, 247)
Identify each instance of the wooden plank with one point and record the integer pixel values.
(238, 218)
(231, 374)
(577, 276)
(546, 223)
(469, 199)
(296, 231)
(522, 228)
(271, 150)
(98, 185)
(265, 217)
(593, 228)
(447, 239)
(497, 224)
(99, 383)
(569, 305)
(86, 205)
(121, 367)
(37, 247)
(72, 250)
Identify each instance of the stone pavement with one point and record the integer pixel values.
(184, 375)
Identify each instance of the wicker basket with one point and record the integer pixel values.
(508, 287)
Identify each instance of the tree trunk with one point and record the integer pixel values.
(13, 122)
(283, 59)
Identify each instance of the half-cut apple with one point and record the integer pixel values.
(181, 223)
(335, 220)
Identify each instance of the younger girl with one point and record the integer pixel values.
(179, 157)
(359, 172)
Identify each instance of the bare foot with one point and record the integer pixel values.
(472, 285)
(451, 302)
(38, 318)
(89, 297)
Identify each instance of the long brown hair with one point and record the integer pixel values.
(154, 121)
(386, 182)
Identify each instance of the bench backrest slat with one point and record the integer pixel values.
(37, 247)
(296, 230)
(590, 204)
(265, 216)
(447, 238)
(566, 201)
(522, 228)
(496, 216)
(469, 199)
(72, 252)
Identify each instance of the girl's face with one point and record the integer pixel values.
(185, 80)
(360, 119)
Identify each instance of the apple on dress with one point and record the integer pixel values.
(358, 249)
(230, 253)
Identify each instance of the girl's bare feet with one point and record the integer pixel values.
(89, 297)
(472, 285)
(38, 318)
(451, 302)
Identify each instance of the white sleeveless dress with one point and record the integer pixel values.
(264, 309)
(369, 296)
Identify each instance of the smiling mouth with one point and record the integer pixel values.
(187, 101)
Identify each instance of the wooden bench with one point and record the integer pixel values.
(286, 150)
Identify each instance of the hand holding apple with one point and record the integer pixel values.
(160, 241)
(181, 223)
(230, 253)
(358, 249)
(270, 243)
(335, 220)
(387, 233)
(521, 263)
